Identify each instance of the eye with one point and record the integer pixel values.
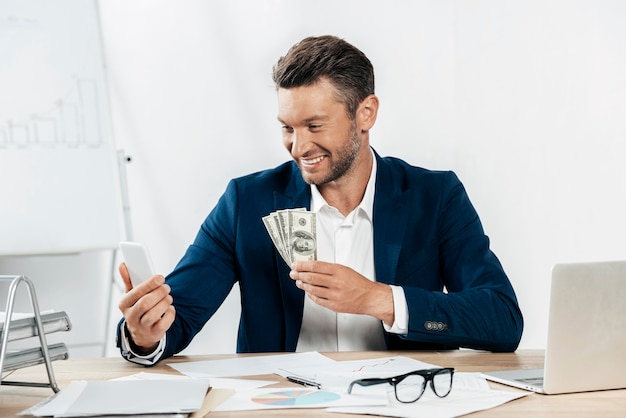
(315, 127)
(287, 128)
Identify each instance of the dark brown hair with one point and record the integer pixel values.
(332, 58)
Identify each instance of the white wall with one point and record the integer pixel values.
(525, 100)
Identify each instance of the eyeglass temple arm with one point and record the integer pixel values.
(368, 382)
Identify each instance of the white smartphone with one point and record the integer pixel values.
(138, 262)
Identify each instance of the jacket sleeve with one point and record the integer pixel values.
(205, 275)
(477, 308)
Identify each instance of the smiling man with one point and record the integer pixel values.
(402, 258)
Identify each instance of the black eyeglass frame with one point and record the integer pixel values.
(427, 374)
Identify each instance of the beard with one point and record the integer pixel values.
(342, 160)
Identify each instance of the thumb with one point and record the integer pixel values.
(125, 277)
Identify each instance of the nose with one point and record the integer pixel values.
(296, 142)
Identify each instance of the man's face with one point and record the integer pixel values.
(317, 132)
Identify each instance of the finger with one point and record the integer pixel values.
(320, 273)
(150, 336)
(151, 301)
(163, 324)
(318, 300)
(313, 266)
(156, 313)
(156, 332)
(313, 289)
(135, 294)
(125, 277)
(312, 279)
(166, 321)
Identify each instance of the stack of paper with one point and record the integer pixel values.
(470, 391)
(22, 326)
(124, 397)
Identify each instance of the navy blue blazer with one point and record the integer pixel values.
(427, 236)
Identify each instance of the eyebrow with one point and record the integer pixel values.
(307, 121)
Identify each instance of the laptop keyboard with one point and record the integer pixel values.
(537, 381)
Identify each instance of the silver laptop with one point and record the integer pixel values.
(586, 347)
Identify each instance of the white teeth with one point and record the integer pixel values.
(313, 161)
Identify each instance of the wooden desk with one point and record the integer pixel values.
(605, 403)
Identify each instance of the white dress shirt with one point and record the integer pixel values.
(348, 241)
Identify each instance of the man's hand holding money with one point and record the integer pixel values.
(333, 286)
(341, 289)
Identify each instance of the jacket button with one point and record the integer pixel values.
(435, 326)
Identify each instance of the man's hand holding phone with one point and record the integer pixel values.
(147, 304)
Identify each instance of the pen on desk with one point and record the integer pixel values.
(304, 382)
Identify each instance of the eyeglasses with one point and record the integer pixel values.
(411, 386)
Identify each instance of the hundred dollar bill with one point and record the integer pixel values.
(302, 235)
(281, 217)
(272, 229)
(277, 226)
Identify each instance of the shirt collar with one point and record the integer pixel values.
(366, 205)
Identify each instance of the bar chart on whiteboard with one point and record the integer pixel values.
(72, 120)
(58, 163)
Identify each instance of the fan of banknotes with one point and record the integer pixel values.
(293, 233)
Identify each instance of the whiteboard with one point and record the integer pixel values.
(59, 175)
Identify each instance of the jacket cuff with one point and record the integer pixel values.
(130, 355)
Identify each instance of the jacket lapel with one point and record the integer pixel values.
(391, 211)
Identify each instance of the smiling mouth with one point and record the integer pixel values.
(312, 161)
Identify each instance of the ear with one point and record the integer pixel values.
(366, 113)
